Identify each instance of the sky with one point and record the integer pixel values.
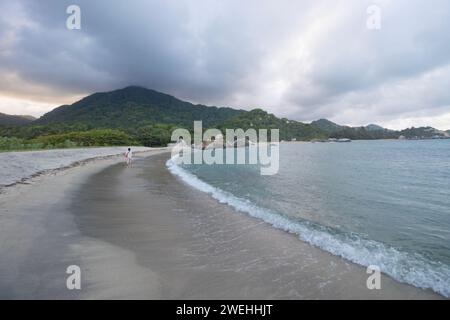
(299, 59)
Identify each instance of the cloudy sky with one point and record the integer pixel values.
(298, 59)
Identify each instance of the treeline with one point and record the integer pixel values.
(102, 137)
(423, 132)
(139, 116)
(63, 135)
(85, 134)
(362, 133)
(260, 119)
(59, 136)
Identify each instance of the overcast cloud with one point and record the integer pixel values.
(298, 59)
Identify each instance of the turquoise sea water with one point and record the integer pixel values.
(384, 203)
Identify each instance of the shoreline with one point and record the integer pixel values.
(74, 163)
(37, 232)
(193, 247)
(141, 233)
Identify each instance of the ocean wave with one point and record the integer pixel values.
(402, 266)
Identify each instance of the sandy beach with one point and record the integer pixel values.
(141, 233)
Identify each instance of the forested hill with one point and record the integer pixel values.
(369, 132)
(140, 116)
(13, 120)
(134, 107)
(260, 119)
(373, 131)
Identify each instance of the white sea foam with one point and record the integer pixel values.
(17, 166)
(402, 266)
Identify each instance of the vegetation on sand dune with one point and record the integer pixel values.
(100, 137)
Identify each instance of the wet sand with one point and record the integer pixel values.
(142, 233)
(190, 246)
(38, 235)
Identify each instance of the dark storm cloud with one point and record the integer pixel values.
(301, 59)
(150, 43)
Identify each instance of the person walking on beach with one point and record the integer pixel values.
(129, 156)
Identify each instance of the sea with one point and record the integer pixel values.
(383, 203)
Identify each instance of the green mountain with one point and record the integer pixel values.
(260, 119)
(15, 120)
(326, 125)
(140, 116)
(132, 115)
(135, 107)
(370, 132)
(363, 133)
(422, 133)
(374, 127)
